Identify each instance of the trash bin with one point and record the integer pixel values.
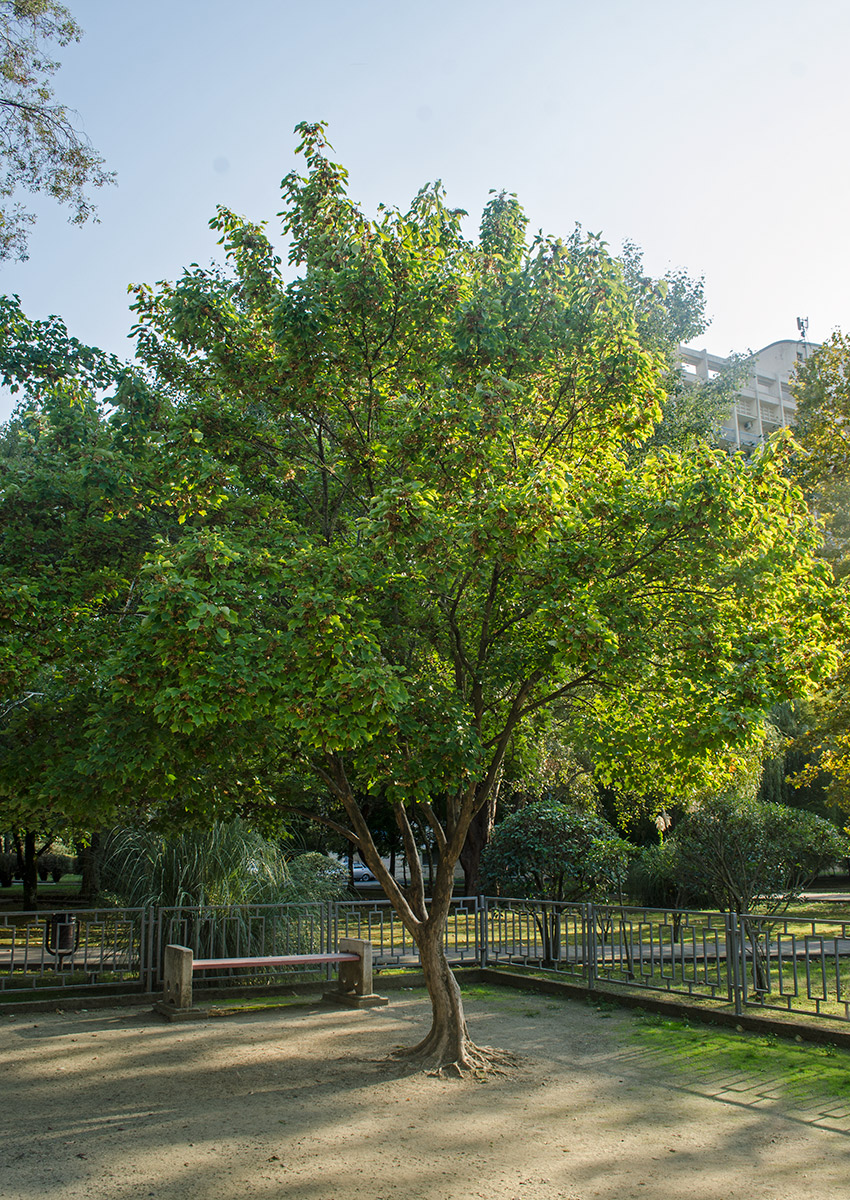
(61, 934)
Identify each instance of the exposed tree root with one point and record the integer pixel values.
(440, 1059)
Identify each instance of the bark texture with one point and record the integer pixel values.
(447, 1048)
(477, 837)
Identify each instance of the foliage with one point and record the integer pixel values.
(86, 482)
(227, 864)
(53, 866)
(548, 851)
(822, 466)
(72, 529)
(41, 150)
(432, 528)
(735, 850)
(789, 757)
(654, 877)
(822, 392)
(671, 312)
(315, 876)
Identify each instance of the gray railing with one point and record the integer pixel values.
(795, 965)
(671, 950)
(242, 931)
(792, 964)
(530, 933)
(88, 948)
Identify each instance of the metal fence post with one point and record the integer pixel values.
(331, 938)
(158, 948)
(733, 961)
(146, 953)
(481, 930)
(589, 933)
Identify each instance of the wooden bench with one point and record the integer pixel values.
(354, 985)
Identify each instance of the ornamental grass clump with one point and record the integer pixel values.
(225, 864)
(226, 890)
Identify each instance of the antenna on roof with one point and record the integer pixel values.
(803, 329)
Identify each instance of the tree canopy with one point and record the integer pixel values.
(78, 507)
(548, 851)
(41, 148)
(412, 513)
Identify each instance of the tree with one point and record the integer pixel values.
(429, 526)
(548, 851)
(78, 473)
(822, 392)
(735, 850)
(41, 150)
(822, 467)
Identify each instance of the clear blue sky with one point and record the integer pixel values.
(709, 133)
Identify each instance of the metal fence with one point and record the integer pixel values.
(792, 964)
(86, 948)
(671, 950)
(795, 965)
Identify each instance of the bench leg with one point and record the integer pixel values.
(177, 977)
(355, 978)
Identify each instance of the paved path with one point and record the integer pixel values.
(114, 1106)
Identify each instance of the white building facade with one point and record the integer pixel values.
(764, 403)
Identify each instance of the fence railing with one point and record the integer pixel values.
(85, 948)
(792, 964)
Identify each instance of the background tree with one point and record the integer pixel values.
(79, 467)
(41, 149)
(822, 467)
(670, 313)
(735, 851)
(549, 852)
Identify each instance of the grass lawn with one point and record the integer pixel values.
(775, 1066)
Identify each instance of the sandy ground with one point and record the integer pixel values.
(113, 1104)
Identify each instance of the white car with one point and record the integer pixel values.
(362, 874)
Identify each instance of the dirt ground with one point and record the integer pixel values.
(113, 1104)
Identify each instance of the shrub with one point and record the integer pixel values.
(224, 864)
(54, 866)
(548, 851)
(654, 877)
(736, 850)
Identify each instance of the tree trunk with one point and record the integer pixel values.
(29, 870)
(447, 1048)
(89, 856)
(477, 837)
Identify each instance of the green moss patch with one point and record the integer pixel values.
(746, 1061)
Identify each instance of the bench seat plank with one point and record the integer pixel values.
(284, 960)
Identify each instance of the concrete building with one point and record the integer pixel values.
(764, 403)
